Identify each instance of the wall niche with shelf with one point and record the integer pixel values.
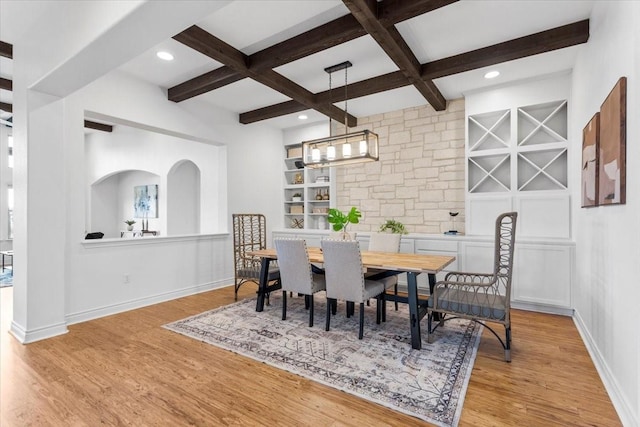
(316, 187)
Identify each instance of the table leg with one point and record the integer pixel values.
(414, 313)
(264, 283)
(432, 284)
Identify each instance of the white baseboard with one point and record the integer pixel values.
(623, 407)
(108, 310)
(542, 308)
(37, 334)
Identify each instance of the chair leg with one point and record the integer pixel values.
(361, 331)
(350, 309)
(395, 291)
(384, 307)
(378, 308)
(334, 306)
(430, 337)
(310, 310)
(507, 350)
(328, 321)
(306, 302)
(284, 305)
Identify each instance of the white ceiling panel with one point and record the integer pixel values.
(243, 96)
(187, 63)
(252, 25)
(456, 86)
(392, 100)
(368, 59)
(468, 25)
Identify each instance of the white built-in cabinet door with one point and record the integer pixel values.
(542, 273)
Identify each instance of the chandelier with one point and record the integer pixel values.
(349, 148)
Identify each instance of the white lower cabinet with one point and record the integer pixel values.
(542, 271)
(543, 275)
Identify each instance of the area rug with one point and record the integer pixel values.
(429, 384)
(6, 278)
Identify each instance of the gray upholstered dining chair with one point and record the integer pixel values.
(345, 280)
(385, 242)
(477, 296)
(295, 273)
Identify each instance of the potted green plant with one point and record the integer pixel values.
(393, 226)
(340, 220)
(130, 223)
(297, 197)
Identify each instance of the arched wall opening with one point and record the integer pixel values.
(189, 176)
(112, 202)
(183, 198)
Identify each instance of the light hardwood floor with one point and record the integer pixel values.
(127, 370)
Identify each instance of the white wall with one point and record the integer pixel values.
(61, 278)
(163, 268)
(607, 237)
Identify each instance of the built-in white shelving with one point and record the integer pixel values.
(316, 188)
(517, 159)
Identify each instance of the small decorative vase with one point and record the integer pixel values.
(129, 227)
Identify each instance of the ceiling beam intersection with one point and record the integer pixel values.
(333, 33)
(544, 41)
(207, 44)
(390, 40)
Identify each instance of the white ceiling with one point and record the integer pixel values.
(252, 25)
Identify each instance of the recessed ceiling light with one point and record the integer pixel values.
(303, 117)
(165, 55)
(492, 74)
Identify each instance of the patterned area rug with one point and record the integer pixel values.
(429, 384)
(6, 278)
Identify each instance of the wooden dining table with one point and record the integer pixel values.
(412, 264)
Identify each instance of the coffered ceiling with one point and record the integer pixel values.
(265, 59)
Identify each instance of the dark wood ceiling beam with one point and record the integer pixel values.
(390, 12)
(545, 41)
(366, 87)
(6, 107)
(338, 31)
(207, 44)
(390, 40)
(98, 126)
(271, 112)
(333, 33)
(557, 38)
(205, 83)
(6, 84)
(6, 50)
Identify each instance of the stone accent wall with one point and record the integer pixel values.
(420, 176)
